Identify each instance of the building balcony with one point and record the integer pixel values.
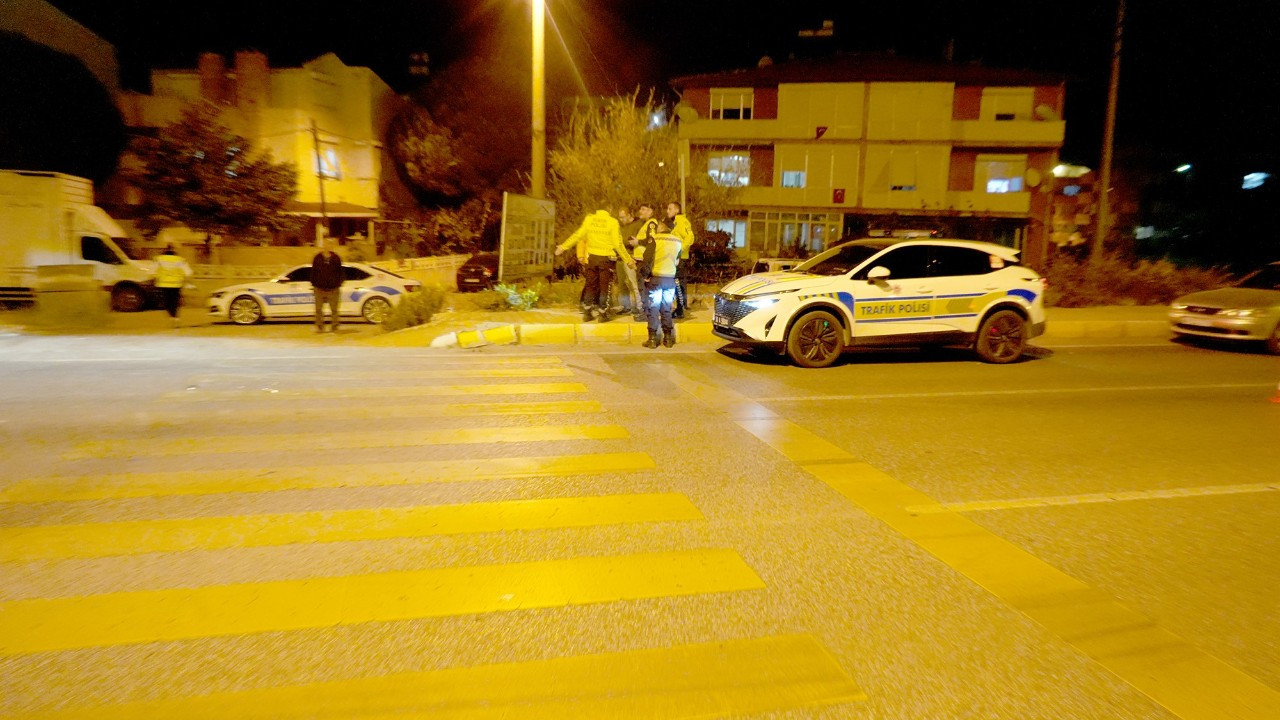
(1008, 133)
(1018, 203)
(951, 201)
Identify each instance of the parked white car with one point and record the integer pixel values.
(368, 292)
(888, 292)
(1249, 311)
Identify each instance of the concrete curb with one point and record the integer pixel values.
(634, 333)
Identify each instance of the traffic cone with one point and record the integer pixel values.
(1276, 398)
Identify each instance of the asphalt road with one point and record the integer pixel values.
(195, 526)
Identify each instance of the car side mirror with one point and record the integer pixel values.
(878, 274)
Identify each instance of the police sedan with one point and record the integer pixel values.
(368, 293)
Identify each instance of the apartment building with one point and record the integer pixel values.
(326, 117)
(857, 145)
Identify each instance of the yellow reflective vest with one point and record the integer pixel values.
(600, 234)
(681, 228)
(171, 271)
(666, 253)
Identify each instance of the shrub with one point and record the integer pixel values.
(507, 297)
(416, 308)
(1117, 281)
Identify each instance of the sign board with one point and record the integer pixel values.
(527, 248)
(837, 196)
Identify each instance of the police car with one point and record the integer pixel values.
(888, 292)
(368, 292)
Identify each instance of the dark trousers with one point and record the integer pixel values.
(599, 276)
(332, 298)
(682, 295)
(172, 298)
(662, 293)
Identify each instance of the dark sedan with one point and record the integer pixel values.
(480, 272)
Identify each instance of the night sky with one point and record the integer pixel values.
(1199, 80)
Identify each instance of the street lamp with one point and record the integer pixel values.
(538, 175)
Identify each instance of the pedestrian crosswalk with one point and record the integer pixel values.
(714, 675)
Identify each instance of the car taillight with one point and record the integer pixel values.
(411, 288)
(487, 272)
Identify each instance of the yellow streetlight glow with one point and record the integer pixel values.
(538, 174)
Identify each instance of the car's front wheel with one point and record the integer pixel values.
(375, 310)
(815, 340)
(244, 310)
(128, 298)
(1001, 338)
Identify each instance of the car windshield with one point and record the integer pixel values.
(839, 260)
(1268, 278)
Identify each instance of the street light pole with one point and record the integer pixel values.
(538, 175)
(1108, 143)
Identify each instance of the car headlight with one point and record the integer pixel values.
(1178, 306)
(1243, 312)
(216, 294)
(760, 303)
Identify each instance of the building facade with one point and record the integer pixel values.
(878, 145)
(327, 118)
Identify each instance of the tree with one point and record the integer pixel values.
(425, 155)
(611, 154)
(198, 173)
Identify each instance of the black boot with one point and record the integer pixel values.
(669, 338)
(652, 342)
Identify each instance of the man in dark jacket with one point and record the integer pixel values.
(326, 282)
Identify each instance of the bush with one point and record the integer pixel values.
(1117, 281)
(506, 297)
(416, 308)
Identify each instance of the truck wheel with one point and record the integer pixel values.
(375, 310)
(127, 298)
(814, 341)
(1001, 337)
(244, 310)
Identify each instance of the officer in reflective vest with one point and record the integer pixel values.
(171, 274)
(662, 254)
(681, 228)
(602, 236)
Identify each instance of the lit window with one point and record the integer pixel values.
(730, 169)
(792, 178)
(1001, 174)
(1071, 190)
(327, 165)
(735, 227)
(1254, 180)
(731, 103)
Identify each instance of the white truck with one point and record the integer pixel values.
(49, 218)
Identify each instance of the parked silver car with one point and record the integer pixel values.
(1249, 311)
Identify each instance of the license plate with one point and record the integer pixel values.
(470, 280)
(720, 320)
(1198, 322)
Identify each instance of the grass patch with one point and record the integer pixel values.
(416, 308)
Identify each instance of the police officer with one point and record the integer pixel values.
(662, 253)
(602, 238)
(681, 228)
(171, 274)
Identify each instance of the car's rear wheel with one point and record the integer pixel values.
(128, 298)
(815, 340)
(244, 310)
(1273, 342)
(375, 310)
(1002, 337)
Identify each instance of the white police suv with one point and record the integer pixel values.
(888, 292)
(367, 292)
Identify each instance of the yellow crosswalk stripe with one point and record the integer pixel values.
(50, 624)
(372, 393)
(297, 442)
(734, 677)
(382, 411)
(432, 373)
(213, 533)
(209, 482)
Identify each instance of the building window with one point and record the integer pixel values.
(327, 165)
(792, 178)
(1003, 104)
(730, 169)
(1001, 174)
(735, 227)
(772, 233)
(731, 103)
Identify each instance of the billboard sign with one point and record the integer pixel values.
(527, 248)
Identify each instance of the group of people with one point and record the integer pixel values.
(646, 253)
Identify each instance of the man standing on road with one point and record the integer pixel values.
(326, 283)
(603, 239)
(171, 274)
(662, 253)
(681, 228)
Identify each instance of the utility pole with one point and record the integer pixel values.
(324, 211)
(1108, 143)
(538, 174)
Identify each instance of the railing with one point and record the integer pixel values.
(443, 265)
